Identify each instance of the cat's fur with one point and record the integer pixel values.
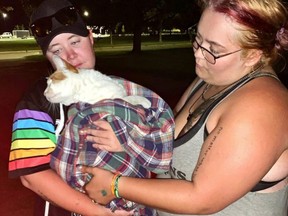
(69, 85)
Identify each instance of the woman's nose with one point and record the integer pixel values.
(71, 54)
(198, 53)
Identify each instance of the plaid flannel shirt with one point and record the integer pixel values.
(146, 136)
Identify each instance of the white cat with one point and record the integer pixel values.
(68, 85)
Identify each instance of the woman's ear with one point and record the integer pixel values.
(253, 57)
(91, 36)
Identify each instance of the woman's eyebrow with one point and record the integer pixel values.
(215, 44)
(212, 43)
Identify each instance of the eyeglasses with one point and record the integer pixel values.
(210, 57)
(43, 26)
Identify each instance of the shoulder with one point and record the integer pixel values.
(263, 95)
(34, 100)
(258, 109)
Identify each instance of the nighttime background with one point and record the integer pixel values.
(115, 16)
(153, 13)
(166, 71)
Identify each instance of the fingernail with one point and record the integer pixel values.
(79, 167)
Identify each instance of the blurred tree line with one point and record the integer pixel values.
(135, 16)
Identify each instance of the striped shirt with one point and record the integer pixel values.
(33, 133)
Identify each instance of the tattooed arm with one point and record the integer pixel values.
(235, 156)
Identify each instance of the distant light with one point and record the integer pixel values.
(4, 15)
(86, 13)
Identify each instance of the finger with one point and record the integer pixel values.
(97, 140)
(85, 131)
(104, 125)
(101, 147)
(123, 212)
(85, 169)
(94, 132)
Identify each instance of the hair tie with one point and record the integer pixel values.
(281, 38)
(281, 31)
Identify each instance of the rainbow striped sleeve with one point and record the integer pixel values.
(33, 140)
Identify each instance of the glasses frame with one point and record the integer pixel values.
(192, 33)
(43, 26)
(203, 50)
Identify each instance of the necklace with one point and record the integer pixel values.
(195, 114)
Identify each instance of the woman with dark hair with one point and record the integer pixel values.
(59, 30)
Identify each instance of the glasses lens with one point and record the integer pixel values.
(41, 27)
(195, 45)
(208, 56)
(66, 16)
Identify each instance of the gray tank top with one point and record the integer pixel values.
(189, 146)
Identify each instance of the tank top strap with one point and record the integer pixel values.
(195, 128)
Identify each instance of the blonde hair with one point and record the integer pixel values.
(262, 24)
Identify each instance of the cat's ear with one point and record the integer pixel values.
(61, 64)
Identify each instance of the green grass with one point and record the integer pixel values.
(160, 59)
(167, 62)
(30, 44)
(17, 45)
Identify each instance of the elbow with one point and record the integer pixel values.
(25, 182)
(211, 208)
(202, 210)
(208, 206)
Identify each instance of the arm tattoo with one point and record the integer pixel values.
(200, 162)
(104, 193)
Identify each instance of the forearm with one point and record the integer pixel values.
(52, 188)
(183, 198)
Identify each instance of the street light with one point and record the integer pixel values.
(86, 13)
(4, 15)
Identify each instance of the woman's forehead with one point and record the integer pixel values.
(63, 37)
(217, 27)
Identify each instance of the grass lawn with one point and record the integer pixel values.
(30, 43)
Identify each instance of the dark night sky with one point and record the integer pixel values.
(15, 17)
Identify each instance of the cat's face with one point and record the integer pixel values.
(61, 84)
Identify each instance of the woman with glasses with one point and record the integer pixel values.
(58, 29)
(231, 142)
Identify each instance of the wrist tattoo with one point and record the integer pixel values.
(104, 193)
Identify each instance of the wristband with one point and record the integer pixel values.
(114, 185)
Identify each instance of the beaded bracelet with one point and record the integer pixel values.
(114, 185)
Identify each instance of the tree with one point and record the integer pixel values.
(135, 15)
(29, 5)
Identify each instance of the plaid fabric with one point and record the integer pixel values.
(145, 134)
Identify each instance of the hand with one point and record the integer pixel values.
(123, 213)
(99, 188)
(103, 137)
